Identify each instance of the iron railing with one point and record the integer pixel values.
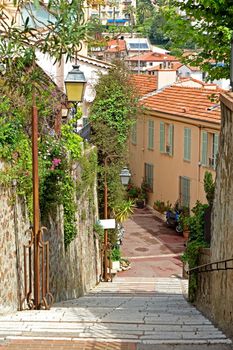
(213, 266)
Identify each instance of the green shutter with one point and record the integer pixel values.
(185, 191)
(162, 137)
(204, 151)
(215, 148)
(134, 133)
(171, 138)
(150, 134)
(149, 175)
(187, 144)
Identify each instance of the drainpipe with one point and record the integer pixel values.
(199, 160)
(17, 249)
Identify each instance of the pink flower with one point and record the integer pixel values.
(56, 162)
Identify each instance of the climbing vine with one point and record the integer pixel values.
(57, 156)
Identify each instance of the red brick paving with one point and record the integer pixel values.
(65, 345)
(153, 248)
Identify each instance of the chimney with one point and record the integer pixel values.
(166, 77)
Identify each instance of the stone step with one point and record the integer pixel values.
(148, 312)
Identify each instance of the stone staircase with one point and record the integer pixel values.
(151, 312)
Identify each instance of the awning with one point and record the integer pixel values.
(117, 20)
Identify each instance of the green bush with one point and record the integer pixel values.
(161, 206)
(116, 254)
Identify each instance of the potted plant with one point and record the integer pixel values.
(184, 220)
(141, 201)
(115, 258)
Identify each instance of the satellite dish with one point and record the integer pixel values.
(90, 93)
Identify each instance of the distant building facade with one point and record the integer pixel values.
(174, 142)
(112, 12)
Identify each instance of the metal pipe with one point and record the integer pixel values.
(105, 217)
(36, 218)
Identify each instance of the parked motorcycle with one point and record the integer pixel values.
(172, 220)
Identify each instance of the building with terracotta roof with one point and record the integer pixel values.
(144, 83)
(116, 49)
(174, 142)
(142, 62)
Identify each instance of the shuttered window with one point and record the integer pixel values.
(134, 133)
(166, 138)
(215, 149)
(170, 139)
(204, 152)
(149, 175)
(162, 137)
(187, 144)
(150, 134)
(184, 191)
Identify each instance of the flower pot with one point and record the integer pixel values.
(115, 265)
(186, 234)
(140, 203)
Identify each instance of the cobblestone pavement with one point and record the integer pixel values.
(141, 311)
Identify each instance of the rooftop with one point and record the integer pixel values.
(144, 83)
(116, 46)
(153, 57)
(194, 103)
(137, 44)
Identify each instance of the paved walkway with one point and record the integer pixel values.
(153, 249)
(132, 313)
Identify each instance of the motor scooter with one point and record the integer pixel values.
(172, 220)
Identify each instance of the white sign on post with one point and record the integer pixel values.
(108, 223)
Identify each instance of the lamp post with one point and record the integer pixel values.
(75, 86)
(124, 176)
(75, 82)
(231, 64)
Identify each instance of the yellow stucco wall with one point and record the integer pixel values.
(168, 169)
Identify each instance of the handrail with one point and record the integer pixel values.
(213, 266)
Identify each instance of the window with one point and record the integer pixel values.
(166, 138)
(184, 191)
(209, 149)
(150, 134)
(187, 144)
(149, 175)
(134, 133)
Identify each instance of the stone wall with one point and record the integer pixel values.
(72, 271)
(220, 283)
(13, 224)
(75, 270)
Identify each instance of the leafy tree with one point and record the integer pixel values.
(144, 10)
(205, 25)
(111, 116)
(209, 187)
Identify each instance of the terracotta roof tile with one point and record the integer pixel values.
(200, 82)
(144, 83)
(186, 102)
(153, 57)
(116, 45)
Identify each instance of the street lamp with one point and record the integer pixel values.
(124, 176)
(75, 84)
